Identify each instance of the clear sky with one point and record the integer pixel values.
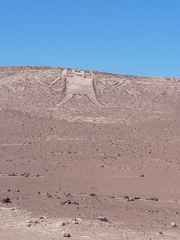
(131, 37)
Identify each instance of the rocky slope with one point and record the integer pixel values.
(83, 144)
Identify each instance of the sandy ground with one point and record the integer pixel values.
(72, 153)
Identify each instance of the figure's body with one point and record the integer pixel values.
(78, 85)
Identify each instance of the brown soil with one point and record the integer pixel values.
(74, 150)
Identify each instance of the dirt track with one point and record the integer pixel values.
(70, 150)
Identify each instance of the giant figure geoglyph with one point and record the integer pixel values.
(82, 83)
(77, 84)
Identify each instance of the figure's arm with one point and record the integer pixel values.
(116, 85)
(120, 83)
(56, 79)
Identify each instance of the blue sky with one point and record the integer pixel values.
(131, 37)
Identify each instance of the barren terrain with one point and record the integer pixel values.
(92, 154)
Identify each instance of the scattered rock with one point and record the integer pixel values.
(49, 195)
(67, 235)
(126, 197)
(68, 195)
(111, 197)
(102, 218)
(69, 202)
(130, 199)
(75, 221)
(137, 198)
(92, 194)
(25, 174)
(173, 224)
(31, 223)
(66, 202)
(6, 200)
(142, 175)
(152, 199)
(12, 174)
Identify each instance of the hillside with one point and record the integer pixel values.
(78, 144)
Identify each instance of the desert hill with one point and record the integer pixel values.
(78, 144)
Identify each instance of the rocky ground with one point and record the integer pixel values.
(90, 154)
